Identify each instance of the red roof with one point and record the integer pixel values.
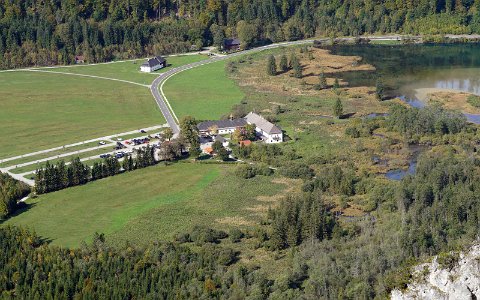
(245, 143)
(208, 150)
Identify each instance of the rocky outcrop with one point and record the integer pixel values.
(449, 276)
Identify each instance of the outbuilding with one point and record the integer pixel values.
(153, 64)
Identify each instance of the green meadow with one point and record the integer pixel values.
(45, 110)
(128, 70)
(204, 92)
(145, 205)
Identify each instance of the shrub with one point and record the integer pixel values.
(298, 171)
(474, 100)
(245, 171)
(236, 235)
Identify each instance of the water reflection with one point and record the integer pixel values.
(406, 69)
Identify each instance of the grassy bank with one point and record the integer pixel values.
(205, 92)
(162, 202)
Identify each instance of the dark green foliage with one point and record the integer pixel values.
(160, 271)
(11, 191)
(429, 120)
(283, 63)
(296, 66)
(51, 32)
(271, 66)
(336, 180)
(56, 177)
(380, 90)
(338, 108)
(297, 170)
(245, 171)
(300, 219)
(236, 235)
(322, 82)
(266, 153)
(201, 235)
(474, 100)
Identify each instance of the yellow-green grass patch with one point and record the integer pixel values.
(46, 110)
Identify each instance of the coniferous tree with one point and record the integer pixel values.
(271, 66)
(338, 108)
(283, 63)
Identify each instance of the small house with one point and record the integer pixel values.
(231, 44)
(153, 64)
(79, 59)
(245, 143)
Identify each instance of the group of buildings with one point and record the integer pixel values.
(265, 130)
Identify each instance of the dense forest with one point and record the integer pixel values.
(38, 32)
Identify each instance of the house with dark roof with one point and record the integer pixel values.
(221, 126)
(231, 44)
(153, 64)
(79, 59)
(267, 131)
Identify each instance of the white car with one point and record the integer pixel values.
(102, 143)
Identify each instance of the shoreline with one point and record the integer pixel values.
(448, 98)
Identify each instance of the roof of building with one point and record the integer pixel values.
(262, 123)
(208, 150)
(221, 124)
(245, 143)
(231, 42)
(155, 61)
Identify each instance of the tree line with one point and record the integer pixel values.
(58, 176)
(38, 32)
(11, 191)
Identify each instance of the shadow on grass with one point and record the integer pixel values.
(21, 208)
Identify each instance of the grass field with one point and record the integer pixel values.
(128, 70)
(163, 201)
(40, 111)
(204, 92)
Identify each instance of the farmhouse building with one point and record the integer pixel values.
(231, 44)
(221, 126)
(153, 64)
(268, 132)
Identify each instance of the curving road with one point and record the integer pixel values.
(157, 85)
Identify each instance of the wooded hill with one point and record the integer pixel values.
(38, 32)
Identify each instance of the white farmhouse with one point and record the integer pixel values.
(153, 64)
(267, 131)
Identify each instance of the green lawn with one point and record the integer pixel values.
(129, 70)
(204, 92)
(41, 111)
(163, 201)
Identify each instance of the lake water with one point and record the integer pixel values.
(405, 68)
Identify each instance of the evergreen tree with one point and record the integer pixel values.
(297, 67)
(271, 66)
(338, 108)
(322, 81)
(283, 63)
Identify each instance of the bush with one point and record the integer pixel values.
(201, 235)
(236, 235)
(352, 132)
(245, 171)
(474, 101)
(298, 171)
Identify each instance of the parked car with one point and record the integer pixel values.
(107, 155)
(102, 143)
(143, 131)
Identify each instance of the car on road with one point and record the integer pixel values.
(102, 143)
(143, 131)
(106, 155)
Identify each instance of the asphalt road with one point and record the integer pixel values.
(157, 85)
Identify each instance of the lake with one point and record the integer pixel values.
(406, 68)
